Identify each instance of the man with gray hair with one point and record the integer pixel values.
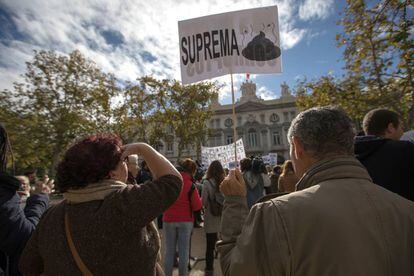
(337, 222)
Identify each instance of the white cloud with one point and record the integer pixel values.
(225, 92)
(264, 93)
(315, 9)
(144, 27)
(292, 37)
(8, 76)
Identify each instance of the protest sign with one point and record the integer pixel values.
(270, 159)
(225, 154)
(273, 158)
(244, 41)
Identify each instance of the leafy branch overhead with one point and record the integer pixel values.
(378, 44)
(64, 97)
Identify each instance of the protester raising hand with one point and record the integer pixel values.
(44, 186)
(233, 184)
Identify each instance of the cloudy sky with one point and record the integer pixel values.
(132, 38)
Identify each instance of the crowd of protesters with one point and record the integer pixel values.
(319, 213)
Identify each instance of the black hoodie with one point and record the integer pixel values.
(390, 163)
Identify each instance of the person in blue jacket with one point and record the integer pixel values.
(17, 224)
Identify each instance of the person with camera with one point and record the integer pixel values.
(254, 179)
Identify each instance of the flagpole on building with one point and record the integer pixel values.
(234, 121)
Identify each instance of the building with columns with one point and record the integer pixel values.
(262, 124)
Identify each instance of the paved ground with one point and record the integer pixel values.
(198, 247)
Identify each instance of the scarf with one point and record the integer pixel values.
(94, 191)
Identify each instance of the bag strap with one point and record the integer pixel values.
(80, 264)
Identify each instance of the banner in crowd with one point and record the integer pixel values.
(270, 159)
(244, 41)
(225, 154)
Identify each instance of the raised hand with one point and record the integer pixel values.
(44, 186)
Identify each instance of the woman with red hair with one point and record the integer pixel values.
(103, 227)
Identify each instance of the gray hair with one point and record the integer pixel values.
(323, 131)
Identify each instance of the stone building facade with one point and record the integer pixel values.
(262, 124)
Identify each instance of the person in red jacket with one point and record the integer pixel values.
(178, 220)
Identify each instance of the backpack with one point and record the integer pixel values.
(216, 208)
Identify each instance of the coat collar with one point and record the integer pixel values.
(337, 167)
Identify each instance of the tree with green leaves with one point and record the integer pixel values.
(185, 109)
(133, 113)
(62, 97)
(378, 52)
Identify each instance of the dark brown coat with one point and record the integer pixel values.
(112, 236)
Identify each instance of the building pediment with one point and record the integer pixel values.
(250, 106)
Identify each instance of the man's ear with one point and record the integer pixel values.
(298, 148)
(390, 130)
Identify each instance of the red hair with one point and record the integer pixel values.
(88, 161)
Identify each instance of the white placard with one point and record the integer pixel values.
(244, 41)
(270, 158)
(225, 154)
(273, 158)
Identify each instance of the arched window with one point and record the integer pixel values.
(252, 138)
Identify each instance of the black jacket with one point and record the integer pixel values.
(390, 163)
(16, 225)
